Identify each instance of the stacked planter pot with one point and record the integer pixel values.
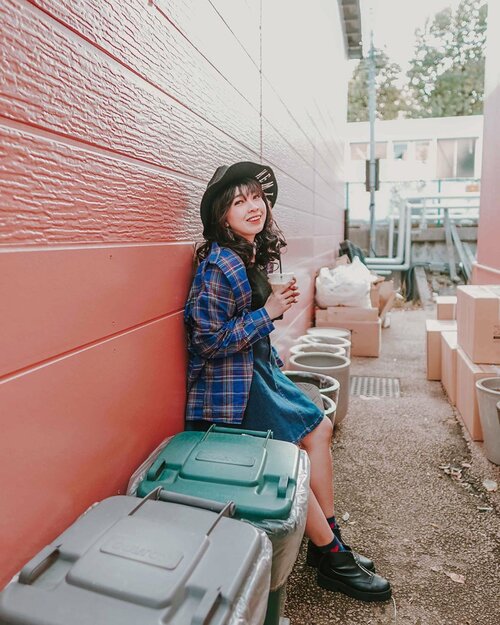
(326, 339)
(331, 365)
(321, 389)
(330, 332)
(330, 408)
(327, 385)
(302, 348)
(488, 399)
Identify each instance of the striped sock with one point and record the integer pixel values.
(332, 522)
(334, 546)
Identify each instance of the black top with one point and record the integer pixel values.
(261, 289)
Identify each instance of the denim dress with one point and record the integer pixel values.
(274, 402)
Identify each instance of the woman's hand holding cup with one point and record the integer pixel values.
(285, 294)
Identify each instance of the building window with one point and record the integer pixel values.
(456, 158)
(361, 151)
(422, 151)
(400, 151)
(465, 158)
(381, 150)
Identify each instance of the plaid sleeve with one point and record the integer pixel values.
(216, 329)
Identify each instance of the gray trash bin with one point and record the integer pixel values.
(145, 563)
(267, 479)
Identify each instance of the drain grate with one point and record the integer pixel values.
(375, 387)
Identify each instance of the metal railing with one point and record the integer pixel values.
(390, 192)
(430, 209)
(422, 212)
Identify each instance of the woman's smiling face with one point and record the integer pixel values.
(247, 214)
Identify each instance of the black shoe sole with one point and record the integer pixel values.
(313, 559)
(337, 586)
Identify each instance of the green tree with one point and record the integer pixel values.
(390, 100)
(446, 75)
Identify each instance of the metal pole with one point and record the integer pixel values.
(346, 212)
(371, 111)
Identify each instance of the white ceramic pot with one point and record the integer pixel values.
(325, 339)
(330, 332)
(488, 399)
(327, 385)
(328, 364)
(330, 408)
(301, 348)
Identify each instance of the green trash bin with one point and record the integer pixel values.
(268, 481)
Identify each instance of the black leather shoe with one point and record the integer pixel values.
(363, 560)
(314, 555)
(341, 572)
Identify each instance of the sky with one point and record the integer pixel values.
(395, 22)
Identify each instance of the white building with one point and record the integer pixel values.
(428, 156)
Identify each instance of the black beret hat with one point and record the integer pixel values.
(226, 175)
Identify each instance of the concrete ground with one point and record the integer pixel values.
(416, 517)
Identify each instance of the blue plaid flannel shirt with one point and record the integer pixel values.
(221, 328)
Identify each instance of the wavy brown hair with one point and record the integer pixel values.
(268, 242)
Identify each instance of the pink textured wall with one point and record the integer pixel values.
(113, 116)
(487, 268)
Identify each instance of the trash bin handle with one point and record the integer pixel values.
(227, 508)
(196, 502)
(206, 607)
(218, 428)
(156, 469)
(227, 511)
(39, 564)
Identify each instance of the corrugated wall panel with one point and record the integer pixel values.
(206, 30)
(56, 191)
(77, 427)
(277, 151)
(113, 115)
(487, 269)
(143, 39)
(243, 20)
(82, 295)
(104, 103)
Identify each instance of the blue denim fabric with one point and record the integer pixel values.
(275, 402)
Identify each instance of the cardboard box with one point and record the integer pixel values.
(377, 288)
(366, 336)
(342, 260)
(433, 329)
(467, 374)
(449, 365)
(375, 294)
(387, 297)
(335, 315)
(478, 322)
(446, 307)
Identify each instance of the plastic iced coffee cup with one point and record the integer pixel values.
(279, 280)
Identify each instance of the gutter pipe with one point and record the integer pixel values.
(404, 243)
(401, 262)
(402, 225)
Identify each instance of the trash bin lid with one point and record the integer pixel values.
(126, 563)
(249, 468)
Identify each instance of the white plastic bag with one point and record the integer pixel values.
(345, 285)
